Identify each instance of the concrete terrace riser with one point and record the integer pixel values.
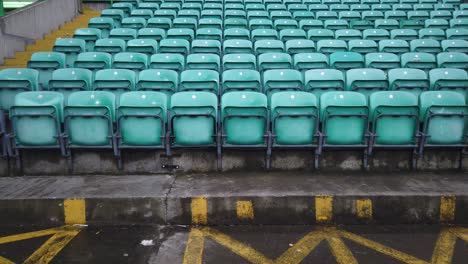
(102, 162)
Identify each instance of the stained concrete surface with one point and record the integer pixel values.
(123, 244)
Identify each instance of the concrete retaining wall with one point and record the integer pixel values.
(102, 162)
(22, 26)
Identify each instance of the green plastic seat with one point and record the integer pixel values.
(69, 80)
(126, 8)
(175, 45)
(193, 5)
(366, 81)
(235, 14)
(143, 13)
(404, 34)
(344, 118)
(158, 80)
(346, 60)
(14, 81)
(244, 119)
(203, 61)
(397, 46)
(206, 46)
(209, 34)
(193, 111)
(320, 34)
(395, 119)
(105, 24)
(282, 24)
(332, 45)
(145, 46)
(454, 45)
(326, 15)
(403, 7)
(123, 33)
(233, 5)
(459, 22)
(258, 14)
(134, 22)
(300, 15)
(308, 24)
(141, 120)
(449, 79)
(116, 81)
(111, 46)
(184, 23)
(295, 118)
(160, 22)
(418, 15)
(395, 14)
(316, 7)
(164, 14)
(239, 61)
(381, 7)
(383, 61)
(410, 80)
(71, 47)
(452, 60)
(424, 7)
(235, 23)
(89, 35)
(418, 60)
(212, 6)
(412, 24)
(116, 14)
(45, 63)
(432, 33)
(199, 80)
(361, 24)
(264, 34)
(237, 46)
(130, 60)
(93, 61)
(338, 7)
(269, 61)
(210, 23)
(297, 7)
(425, 45)
(457, 33)
(441, 14)
(360, 7)
(268, 46)
(375, 34)
(153, 6)
(307, 61)
(168, 61)
(295, 46)
(237, 33)
(349, 15)
(275, 7)
(335, 24)
(260, 24)
(173, 6)
(387, 24)
(282, 80)
(348, 34)
(363, 46)
(436, 23)
(36, 119)
(241, 80)
(292, 34)
(280, 15)
(254, 6)
(443, 114)
(319, 81)
(181, 33)
(89, 119)
(445, 6)
(212, 14)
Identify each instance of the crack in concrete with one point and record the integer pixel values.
(166, 197)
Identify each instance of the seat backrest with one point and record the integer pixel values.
(169, 61)
(366, 80)
(36, 118)
(114, 80)
(243, 79)
(199, 80)
(93, 60)
(146, 46)
(395, 117)
(110, 45)
(14, 81)
(74, 79)
(162, 80)
(244, 118)
(406, 79)
(321, 80)
(282, 79)
(444, 117)
(130, 60)
(448, 79)
(46, 60)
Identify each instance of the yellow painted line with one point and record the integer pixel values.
(445, 245)
(29, 235)
(301, 248)
(245, 210)
(194, 250)
(403, 257)
(51, 248)
(341, 252)
(237, 247)
(199, 208)
(5, 261)
(74, 211)
(323, 208)
(447, 208)
(364, 208)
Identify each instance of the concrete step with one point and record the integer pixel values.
(292, 198)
